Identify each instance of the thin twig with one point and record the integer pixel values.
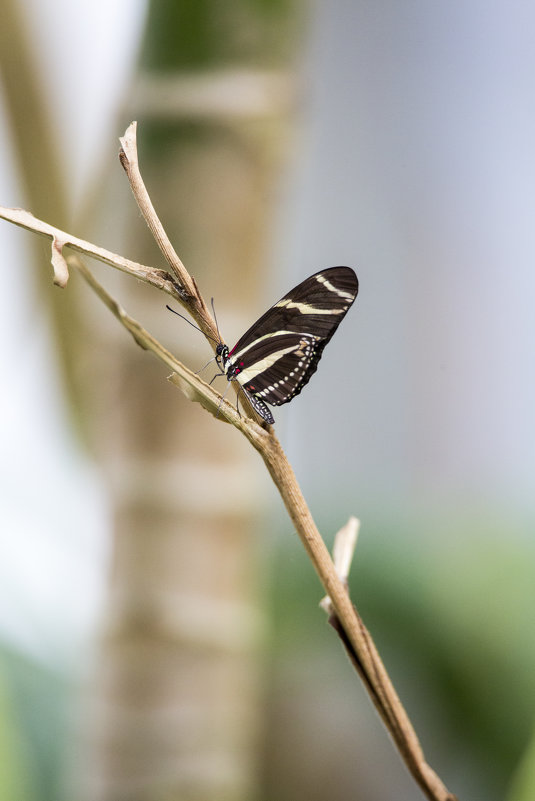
(191, 295)
(344, 618)
(157, 278)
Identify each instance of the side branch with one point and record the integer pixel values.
(157, 278)
(192, 297)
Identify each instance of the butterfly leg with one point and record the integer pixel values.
(223, 397)
(206, 365)
(238, 403)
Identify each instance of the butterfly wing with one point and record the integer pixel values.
(277, 356)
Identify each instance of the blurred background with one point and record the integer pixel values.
(159, 630)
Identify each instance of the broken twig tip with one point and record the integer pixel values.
(128, 140)
(345, 543)
(61, 271)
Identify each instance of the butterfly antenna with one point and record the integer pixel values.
(192, 324)
(215, 318)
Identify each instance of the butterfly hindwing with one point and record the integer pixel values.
(282, 366)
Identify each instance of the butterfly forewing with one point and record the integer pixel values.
(277, 356)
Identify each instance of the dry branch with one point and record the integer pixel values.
(343, 616)
(60, 239)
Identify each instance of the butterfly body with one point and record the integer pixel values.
(278, 354)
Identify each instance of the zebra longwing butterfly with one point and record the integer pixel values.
(279, 353)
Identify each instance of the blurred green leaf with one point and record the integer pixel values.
(450, 606)
(35, 738)
(523, 783)
(13, 781)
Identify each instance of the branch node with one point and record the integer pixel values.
(185, 297)
(344, 546)
(61, 271)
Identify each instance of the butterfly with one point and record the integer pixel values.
(278, 354)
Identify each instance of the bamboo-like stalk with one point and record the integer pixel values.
(344, 617)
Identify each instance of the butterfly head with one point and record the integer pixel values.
(221, 352)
